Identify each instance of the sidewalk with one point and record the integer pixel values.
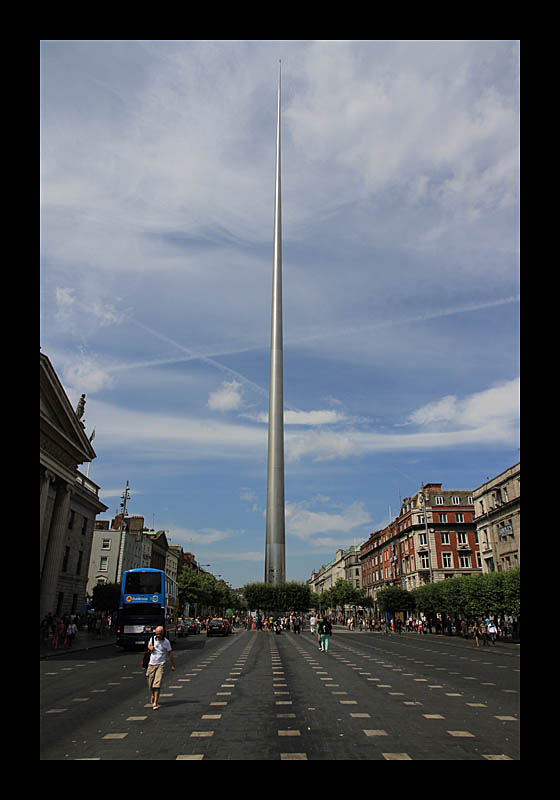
(338, 629)
(83, 641)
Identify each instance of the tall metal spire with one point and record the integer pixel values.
(275, 550)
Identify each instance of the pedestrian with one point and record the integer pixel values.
(325, 632)
(312, 623)
(492, 630)
(476, 633)
(71, 632)
(159, 649)
(484, 633)
(464, 629)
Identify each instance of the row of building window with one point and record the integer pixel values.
(465, 562)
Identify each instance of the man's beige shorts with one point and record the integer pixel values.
(154, 674)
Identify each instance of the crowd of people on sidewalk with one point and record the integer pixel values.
(61, 631)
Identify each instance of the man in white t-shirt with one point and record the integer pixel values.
(159, 649)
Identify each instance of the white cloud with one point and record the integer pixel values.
(497, 405)
(204, 536)
(304, 523)
(86, 375)
(320, 417)
(227, 397)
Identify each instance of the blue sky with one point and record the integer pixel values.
(400, 182)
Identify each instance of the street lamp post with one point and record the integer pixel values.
(423, 498)
(124, 497)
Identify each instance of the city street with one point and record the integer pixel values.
(259, 696)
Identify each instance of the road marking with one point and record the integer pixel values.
(289, 733)
(433, 716)
(501, 757)
(202, 734)
(293, 757)
(376, 733)
(196, 757)
(114, 736)
(56, 710)
(135, 719)
(396, 757)
(461, 734)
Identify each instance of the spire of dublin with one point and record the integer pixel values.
(275, 552)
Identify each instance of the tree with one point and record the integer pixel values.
(190, 588)
(106, 596)
(393, 599)
(286, 597)
(511, 592)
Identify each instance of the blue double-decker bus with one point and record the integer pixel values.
(143, 606)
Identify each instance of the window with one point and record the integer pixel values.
(84, 526)
(106, 544)
(443, 517)
(79, 565)
(71, 520)
(446, 560)
(420, 519)
(444, 538)
(103, 564)
(459, 517)
(425, 561)
(66, 557)
(462, 538)
(439, 500)
(464, 560)
(422, 539)
(456, 500)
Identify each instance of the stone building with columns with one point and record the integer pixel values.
(69, 500)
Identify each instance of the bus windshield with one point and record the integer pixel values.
(142, 583)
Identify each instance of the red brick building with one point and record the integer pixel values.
(429, 541)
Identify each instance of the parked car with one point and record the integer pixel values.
(218, 626)
(191, 625)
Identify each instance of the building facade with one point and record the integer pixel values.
(69, 501)
(114, 550)
(433, 538)
(498, 520)
(346, 565)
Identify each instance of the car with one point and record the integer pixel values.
(218, 626)
(191, 625)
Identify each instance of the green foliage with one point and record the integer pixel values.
(106, 597)
(289, 596)
(471, 595)
(394, 599)
(204, 589)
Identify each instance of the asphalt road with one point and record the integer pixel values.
(260, 696)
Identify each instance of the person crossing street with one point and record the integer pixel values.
(159, 649)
